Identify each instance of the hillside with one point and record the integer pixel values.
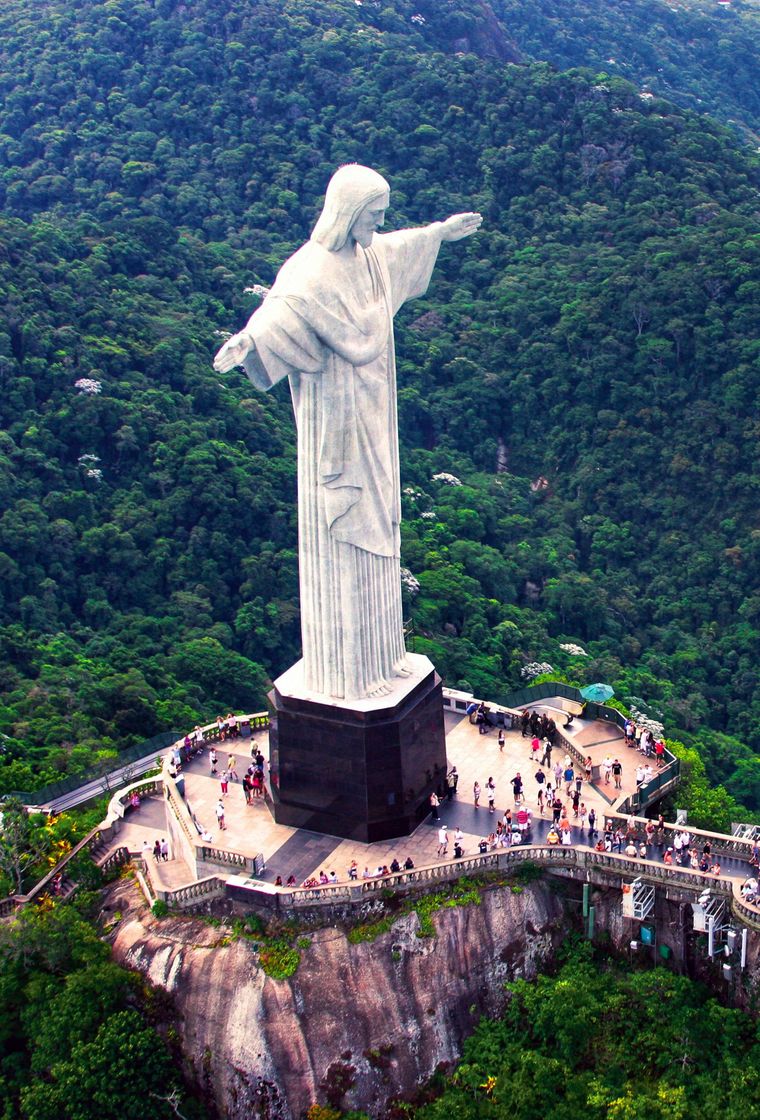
(601, 333)
(701, 54)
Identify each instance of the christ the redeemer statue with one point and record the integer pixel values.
(327, 324)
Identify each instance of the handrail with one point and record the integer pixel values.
(541, 854)
(720, 841)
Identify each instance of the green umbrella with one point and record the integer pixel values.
(597, 693)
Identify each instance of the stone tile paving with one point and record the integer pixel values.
(252, 830)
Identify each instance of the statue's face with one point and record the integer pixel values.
(370, 219)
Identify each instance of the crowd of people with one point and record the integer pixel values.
(329, 878)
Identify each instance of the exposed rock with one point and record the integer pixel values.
(378, 1016)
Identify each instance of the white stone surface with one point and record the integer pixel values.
(327, 324)
(293, 683)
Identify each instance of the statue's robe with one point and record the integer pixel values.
(327, 324)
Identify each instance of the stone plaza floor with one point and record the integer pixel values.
(252, 830)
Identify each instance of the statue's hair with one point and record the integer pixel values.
(351, 188)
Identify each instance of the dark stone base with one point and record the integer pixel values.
(364, 772)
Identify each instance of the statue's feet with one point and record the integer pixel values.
(402, 668)
(379, 688)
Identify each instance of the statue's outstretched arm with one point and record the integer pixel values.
(460, 225)
(233, 352)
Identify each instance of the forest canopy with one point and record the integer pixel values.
(585, 369)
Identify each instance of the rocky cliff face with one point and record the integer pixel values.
(376, 1018)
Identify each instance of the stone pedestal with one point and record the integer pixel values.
(360, 769)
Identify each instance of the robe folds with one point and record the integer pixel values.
(327, 324)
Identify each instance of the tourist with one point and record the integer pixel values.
(588, 768)
(452, 780)
(434, 803)
(458, 836)
(164, 851)
(482, 845)
(749, 890)
(546, 757)
(213, 760)
(569, 778)
(591, 822)
(607, 768)
(617, 773)
(556, 810)
(582, 812)
(353, 871)
(366, 873)
(476, 794)
(501, 738)
(576, 800)
(552, 837)
(409, 864)
(458, 850)
(395, 866)
(667, 858)
(278, 881)
(715, 869)
(157, 851)
(524, 721)
(232, 768)
(220, 814)
(291, 881)
(630, 849)
(540, 801)
(247, 788)
(517, 786)
(557, 774)
(642, 850)
(146, 851)
(223, 781)
(491, 794)
(443, 841)
(333, 877)
(535, 743)
(565, 838)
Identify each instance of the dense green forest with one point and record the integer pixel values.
(80, 1037)
(598, 1042)
(702, 54)
(577, 390)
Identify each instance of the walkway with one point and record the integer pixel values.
(252, 830)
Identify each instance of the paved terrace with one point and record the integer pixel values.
(252, 831)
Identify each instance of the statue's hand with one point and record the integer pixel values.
(233, 352)
(460, 225)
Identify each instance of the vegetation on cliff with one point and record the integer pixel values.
(602, 1042)
(80, 1037)
(585, 370)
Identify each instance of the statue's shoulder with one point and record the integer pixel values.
(306, 272)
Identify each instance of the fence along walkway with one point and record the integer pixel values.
(551, 858)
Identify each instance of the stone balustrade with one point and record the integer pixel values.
(552, 858)
(211, 887)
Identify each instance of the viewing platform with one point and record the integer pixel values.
(252, 855)
(253, 850)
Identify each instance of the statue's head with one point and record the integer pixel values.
(351, 189)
